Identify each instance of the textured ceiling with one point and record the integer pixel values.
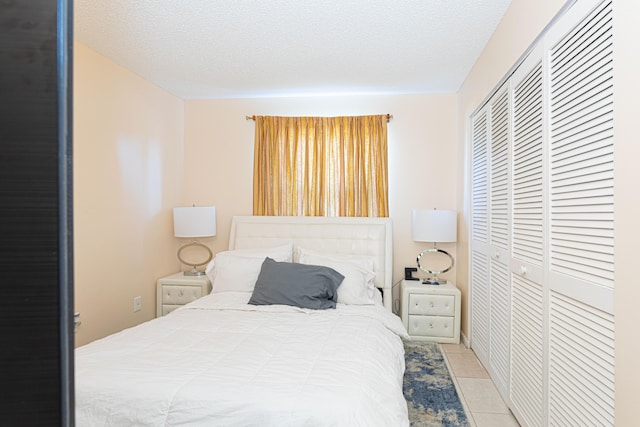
(243, 48)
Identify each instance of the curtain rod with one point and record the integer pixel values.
(389, 117)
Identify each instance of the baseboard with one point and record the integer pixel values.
(464, 340)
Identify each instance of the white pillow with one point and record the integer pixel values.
(238, 270)
(366, 262)
(357, 287)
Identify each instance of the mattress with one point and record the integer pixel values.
(222, 362)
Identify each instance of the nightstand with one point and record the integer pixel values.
(177, 290)
(431, 312)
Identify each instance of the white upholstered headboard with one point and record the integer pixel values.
(335, 235)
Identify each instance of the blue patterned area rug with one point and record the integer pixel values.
(428, 388)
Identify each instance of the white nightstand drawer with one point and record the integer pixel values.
(177, 290)
(432, 305)
(180, 294)
(431, 326)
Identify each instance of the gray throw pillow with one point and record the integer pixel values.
(299, 285)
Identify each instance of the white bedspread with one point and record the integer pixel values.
(221, 362)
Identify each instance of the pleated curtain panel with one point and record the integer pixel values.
(321, 166)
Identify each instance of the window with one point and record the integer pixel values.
(321, 166)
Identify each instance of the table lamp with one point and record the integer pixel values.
(434, 226)
(192, 222)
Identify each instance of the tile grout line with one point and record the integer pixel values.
(463, 400)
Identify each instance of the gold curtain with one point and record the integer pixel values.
(321, 166)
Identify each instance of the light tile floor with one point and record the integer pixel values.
(479, 396)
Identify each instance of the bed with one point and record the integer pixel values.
(237, 358)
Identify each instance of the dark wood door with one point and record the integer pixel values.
(36, 268)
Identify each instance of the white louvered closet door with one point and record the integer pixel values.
(480, 289)
(581, 279)
(499, 238)
(490, 237)
(542, 272)
(528, 373)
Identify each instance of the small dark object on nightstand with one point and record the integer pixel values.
(408, 273)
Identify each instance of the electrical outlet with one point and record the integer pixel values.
(137, 304)
(76, 321)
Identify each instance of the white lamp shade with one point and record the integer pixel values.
(435, 226)
(194, 221)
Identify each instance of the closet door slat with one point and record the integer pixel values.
(528, 169)
(480, 305)
(581, 360)
(480, 205)
(527, 359)
(500, 171)
(500, 322)
(581, 122)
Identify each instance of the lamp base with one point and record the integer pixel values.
(194, 266)
(194, 273)
(434, 281)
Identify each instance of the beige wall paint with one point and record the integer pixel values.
(521, 24)
(422, 156)
(626, 15)
(128, 139)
